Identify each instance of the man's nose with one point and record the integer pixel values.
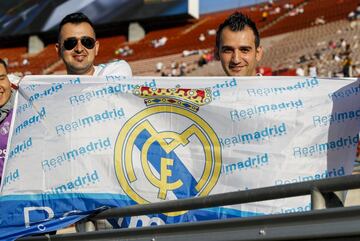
(78, 47)
(236, 56)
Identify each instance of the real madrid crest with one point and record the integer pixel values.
(167, 151)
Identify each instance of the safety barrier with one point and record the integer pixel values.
(338, 223)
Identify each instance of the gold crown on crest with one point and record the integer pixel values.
(187, 98)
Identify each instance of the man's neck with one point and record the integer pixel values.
(90, 71)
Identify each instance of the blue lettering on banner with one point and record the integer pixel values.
(92, 146)
(242, 114)
(116, 78)
(19, 148)
(248, 163)
(140, 221)
(104, 91)
(31, 87)
(31, 121)
(348, 92)
(23, 107)
(307, 84)
(342, 142)
(317, 176)
(74, 81)
(48, 92)
(295, 209)
(113, 114)
(227, 84)
(11, 177)
(55, 88)
(338, 117)
(76, 183)
(267, 132)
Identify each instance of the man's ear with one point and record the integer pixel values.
(259, 53)
(216, 53)
(97, 46)
(58, 49)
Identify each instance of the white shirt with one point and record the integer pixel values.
(300, 72)
(119, 67)
(312, 71)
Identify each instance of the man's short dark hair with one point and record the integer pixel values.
(74, 18)
(3, 63)
(237, 22)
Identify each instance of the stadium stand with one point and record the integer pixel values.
(147, 67)
(280, 31)
(13, 56)
(284, 53)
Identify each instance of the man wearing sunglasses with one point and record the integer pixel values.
(77, 47)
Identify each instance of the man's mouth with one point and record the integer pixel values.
(236, 68)
(79, 58)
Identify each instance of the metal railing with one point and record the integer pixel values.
(341, 223)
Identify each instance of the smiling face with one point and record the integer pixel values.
(238, 53)
(79, 60)
(5, 86)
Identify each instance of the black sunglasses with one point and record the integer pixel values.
(87, 42)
